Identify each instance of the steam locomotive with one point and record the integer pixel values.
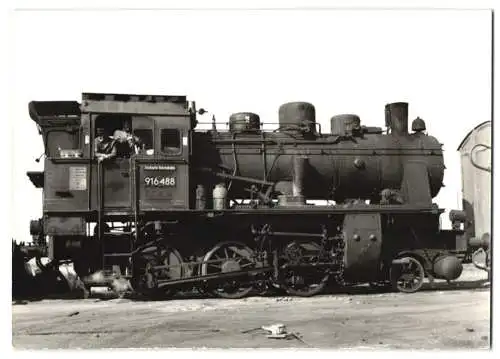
(240, 210)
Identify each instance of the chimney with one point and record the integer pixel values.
(396, 118)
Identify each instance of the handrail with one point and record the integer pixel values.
(488, 169)
(486, 267)
(100, 209)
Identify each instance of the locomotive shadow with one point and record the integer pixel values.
(358, 290)
(365, 289)
(61, 292)
(457, 285)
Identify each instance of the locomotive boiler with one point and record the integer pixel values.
(242, 210)
(353, 161)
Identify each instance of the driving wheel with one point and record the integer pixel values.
(301, 278)
(155, 256)
(224, 258)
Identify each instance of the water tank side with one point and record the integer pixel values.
(482, 205)
(476, 182)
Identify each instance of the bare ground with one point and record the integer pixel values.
(446, 317)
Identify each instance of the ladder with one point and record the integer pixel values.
(104, 231)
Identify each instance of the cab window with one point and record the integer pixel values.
(146, 137)
(62, 143)
(170, 141)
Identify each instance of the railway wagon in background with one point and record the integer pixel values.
(475, 155)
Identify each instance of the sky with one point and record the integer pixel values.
(349, 61)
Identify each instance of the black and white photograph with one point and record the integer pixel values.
(282, 176)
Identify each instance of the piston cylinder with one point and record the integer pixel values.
(447, 267)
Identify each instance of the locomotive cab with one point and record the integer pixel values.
(79, 189)
(152, 173)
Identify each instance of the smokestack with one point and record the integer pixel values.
(396, 118)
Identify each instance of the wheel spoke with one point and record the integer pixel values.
(408, 277)
(229, 263)
(246, 265)
(304, 281)
(239, 259)
(158, 256)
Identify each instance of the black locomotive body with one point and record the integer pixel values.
(229, 211)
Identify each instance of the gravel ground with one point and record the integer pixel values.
(444, 317)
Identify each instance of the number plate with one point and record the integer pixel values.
(159, 181)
